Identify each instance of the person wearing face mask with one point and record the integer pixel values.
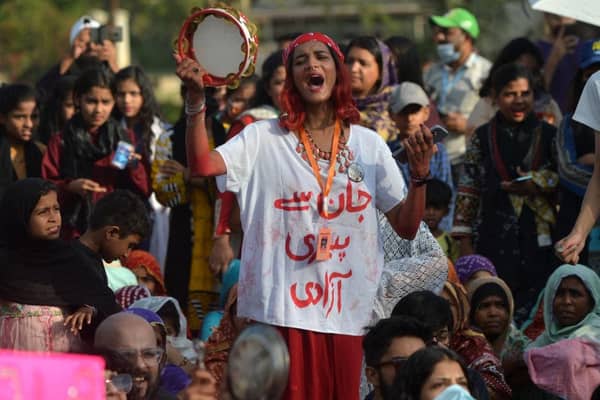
(454, 82)
(433, 373)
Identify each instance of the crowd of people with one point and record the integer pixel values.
(412, 231)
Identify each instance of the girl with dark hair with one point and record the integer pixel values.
(79, 160)
(20, 155)
(137, 109)
(372, 70)
(48, 291)
(429, 373)
(58, 109)
(308, 186)
(504, 207)
(523, 52)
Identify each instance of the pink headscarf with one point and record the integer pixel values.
(569, 368)
(307, 37)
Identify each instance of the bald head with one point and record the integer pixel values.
(124, 330)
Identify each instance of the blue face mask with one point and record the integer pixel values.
(447, 53)
(455, 392)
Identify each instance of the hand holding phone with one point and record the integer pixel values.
(439, 134)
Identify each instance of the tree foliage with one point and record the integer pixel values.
(34, 34)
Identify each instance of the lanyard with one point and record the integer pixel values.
(448, 85)
(332, 161)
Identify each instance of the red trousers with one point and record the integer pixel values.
(323, 366)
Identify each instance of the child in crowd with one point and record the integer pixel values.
(118, 223)
(137, 110)
(58, 108)
(79, 160)
(20, 155)
(437, 206)
(49, 289)
(146, 269)
(409, 109)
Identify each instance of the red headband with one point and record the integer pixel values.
(307, 37)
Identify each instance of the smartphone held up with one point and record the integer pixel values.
(399, 152)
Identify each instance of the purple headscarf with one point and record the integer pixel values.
(466, 266)
(150, 316)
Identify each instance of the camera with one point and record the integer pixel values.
(106, 32)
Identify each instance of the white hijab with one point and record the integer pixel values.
(180, 342)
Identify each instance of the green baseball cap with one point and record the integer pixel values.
(457, 18)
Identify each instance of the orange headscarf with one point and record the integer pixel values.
(141, 258)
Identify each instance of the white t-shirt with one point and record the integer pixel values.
(280, 282)
(588, 108)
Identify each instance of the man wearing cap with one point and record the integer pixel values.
(454, 81)
(409, 109)
(81, 44)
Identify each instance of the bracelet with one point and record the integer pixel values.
(193, 110)
(418, 181)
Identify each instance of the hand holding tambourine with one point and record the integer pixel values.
(217, 45)
(191, 74)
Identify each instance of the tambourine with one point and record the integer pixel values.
(223, 41)
(258, 364)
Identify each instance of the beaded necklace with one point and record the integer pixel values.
(344, 157)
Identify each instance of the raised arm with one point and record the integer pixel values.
(201, 160)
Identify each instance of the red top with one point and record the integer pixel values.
(135, 177)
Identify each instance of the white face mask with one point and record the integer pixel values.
(454, 392)
(447, 53)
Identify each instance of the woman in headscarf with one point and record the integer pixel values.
(370, 63)
(472, 344)
(569, 346)
(47, 289)
(472, 267)
(571, 305)
(492, 309)
(147, 270)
